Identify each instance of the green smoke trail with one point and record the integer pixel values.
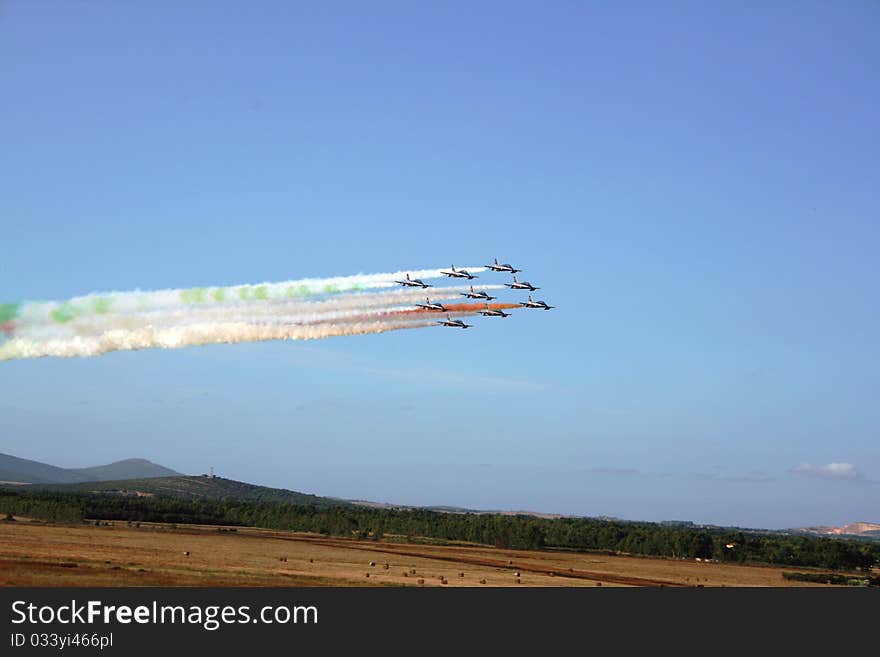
(63, 313)
(102, 305)
(8, 311)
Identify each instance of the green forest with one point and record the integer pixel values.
(507, 531)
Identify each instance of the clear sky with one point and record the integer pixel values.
(695, 187)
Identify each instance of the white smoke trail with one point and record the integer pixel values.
(192, 334)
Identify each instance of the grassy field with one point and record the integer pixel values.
(39, 554)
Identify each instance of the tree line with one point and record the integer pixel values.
(504, 531)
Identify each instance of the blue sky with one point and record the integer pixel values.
(694, 187)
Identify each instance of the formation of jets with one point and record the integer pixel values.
(477, 294)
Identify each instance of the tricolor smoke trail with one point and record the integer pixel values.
(293, 310)
(307, 288)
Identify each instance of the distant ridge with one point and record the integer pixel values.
(14, 469)
(24, 471)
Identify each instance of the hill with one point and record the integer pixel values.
(191, 488)
(127, 469)
(14, 469)
(18, 470)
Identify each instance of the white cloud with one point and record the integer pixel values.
(843, 471)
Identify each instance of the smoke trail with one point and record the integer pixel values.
(298, 310)
(62, 312)
(473, 308)
(339, 307)
(192, 334)
(230, 332)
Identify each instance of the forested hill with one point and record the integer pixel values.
(191, 488)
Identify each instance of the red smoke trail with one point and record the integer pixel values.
(458, 308)
(477, 307)
(470, 308)
(7, 327)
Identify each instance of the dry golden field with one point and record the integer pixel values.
(38, 554)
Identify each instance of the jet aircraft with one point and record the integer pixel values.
(535, 304)
(505, 267)
(489, 312)
(521, 285)
(432, 306)
(477, 295)
(412, 282)
(458, 273)
(455, 323)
